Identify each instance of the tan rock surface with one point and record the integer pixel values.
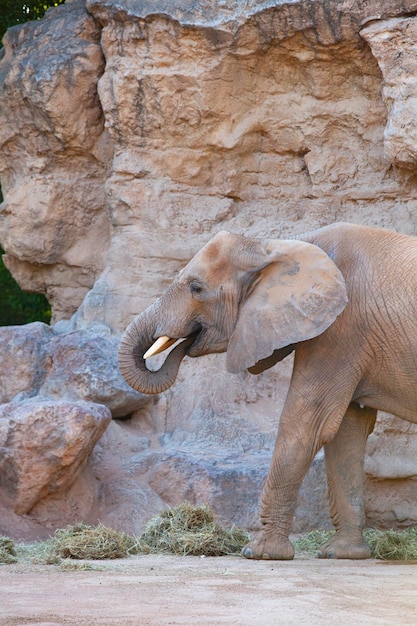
(393, 45)
(55, 156)
(153, 126)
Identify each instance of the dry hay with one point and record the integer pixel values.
(387, 545)
(311, 541)
(7, 550)
(91, 542)
(190, 530)
(183, 530)
(393, 545)
(78, 542)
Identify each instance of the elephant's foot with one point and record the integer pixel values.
(269, 546)
(345, 547)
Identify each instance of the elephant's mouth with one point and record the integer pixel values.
(165, 342)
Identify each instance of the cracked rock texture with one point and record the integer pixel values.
(130, 133)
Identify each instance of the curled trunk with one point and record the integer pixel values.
(138, 337)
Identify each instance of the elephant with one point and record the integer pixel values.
(343, 298)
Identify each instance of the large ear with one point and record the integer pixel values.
(298, 293)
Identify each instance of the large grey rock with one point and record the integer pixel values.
(23, 359)
(75, 365)
(44, 445)
(332, 21)
(82, 365)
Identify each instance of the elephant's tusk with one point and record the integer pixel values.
(160, 345)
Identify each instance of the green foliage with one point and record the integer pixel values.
(17, 12)
(18, 307)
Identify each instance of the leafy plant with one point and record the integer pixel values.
(17, 12)
(18, 307)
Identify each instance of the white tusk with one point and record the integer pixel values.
(160, 345)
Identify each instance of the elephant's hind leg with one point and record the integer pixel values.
(345, 474)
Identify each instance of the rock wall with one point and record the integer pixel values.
(130, 133)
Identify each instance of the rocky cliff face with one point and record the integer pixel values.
(130, 133)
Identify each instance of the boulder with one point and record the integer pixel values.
(44, 445)
(88, 364)
(23, 359)
(76, 365)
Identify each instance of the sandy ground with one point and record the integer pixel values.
(162, 590)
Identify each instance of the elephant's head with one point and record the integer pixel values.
(254, 299)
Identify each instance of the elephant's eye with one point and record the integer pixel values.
(195, 288)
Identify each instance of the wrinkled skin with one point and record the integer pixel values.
(345, 299)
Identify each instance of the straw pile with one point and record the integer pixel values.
(91, 542)
(393, 545)
(189, 530)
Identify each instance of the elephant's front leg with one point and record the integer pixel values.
(345, 475)
(278, 503)
(306, 424)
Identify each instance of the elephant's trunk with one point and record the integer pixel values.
(135, 341)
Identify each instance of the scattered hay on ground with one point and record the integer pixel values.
(388, 545)
(183, 530)
(7, 550)
(311, 542)
(190, 530)
(78, 565)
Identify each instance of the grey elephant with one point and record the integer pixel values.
(344, 298)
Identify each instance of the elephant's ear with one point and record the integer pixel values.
(297, 295)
